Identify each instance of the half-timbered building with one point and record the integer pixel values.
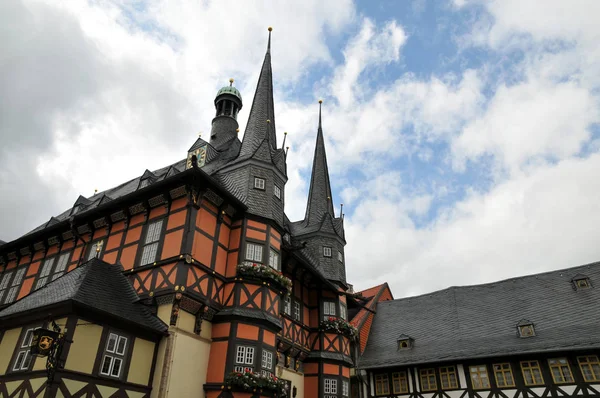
(529, 337)
(188, 281)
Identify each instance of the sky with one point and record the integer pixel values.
(463, 136)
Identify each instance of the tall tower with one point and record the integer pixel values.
(320, 229)
(228, 103)
(259, 173)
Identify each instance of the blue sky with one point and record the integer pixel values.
(463, 136)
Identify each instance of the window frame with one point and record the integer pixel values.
(330, 386)
(277, 191)
(425, 374)
(5, 284)
(529, 367)
(327, 251)
(247, 362)
(157, 236)
(331, 304)
(503, 372)
(93, 251)
(67, 257)
(267, 363)
(402, 378)
(274, 254)
(340, 256)
(448, 371)
(23, 347)
(297, 307)
(260, 183)
(287, 305)
(115, 355)
(343, 311)
(479, 373)
(589, 363)
(382, 380)
(345, 388)
(560, 367)
(14, 285)
(254, 246)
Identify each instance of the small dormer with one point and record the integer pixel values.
(581, 282)
(146, 179)
(525, 328)
(80, 204)
(405, 342)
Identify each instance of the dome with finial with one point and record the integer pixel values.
(231, 90)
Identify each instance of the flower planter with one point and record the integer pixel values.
(265, 273)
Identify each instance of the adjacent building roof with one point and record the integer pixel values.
(481, 320)
(95, 286)
(363, 318)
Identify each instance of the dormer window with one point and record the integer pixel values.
(277, 192)
(326, 251)
(259, 183)
(144, 183)
(525, 329)
(581, 282)
(405, 342)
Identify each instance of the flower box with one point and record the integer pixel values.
(339, 326)
(256, 382)
(264, 272)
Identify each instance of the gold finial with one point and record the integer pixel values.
(237, 130)
(200, 134)
(231, 82)
(270, 28)
(268, 120)
(285, 133)
(95, 191)
(328, 198)
(320, 101)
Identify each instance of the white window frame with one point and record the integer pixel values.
(326, 251)
(15, 285)
(4, 283)
(343, 312)
(287, 305)
(329, 309)
(244, 358)
(330, 386)
(150, 250)
(345, 388)
(274, 259)
(259, 183)
(45, 272)
(61, 265)
(254, 252)
(277, 191)
(114, 354)
(297, 315)
(23, 357)
(267, 362)
(340, 257)
(96, 249)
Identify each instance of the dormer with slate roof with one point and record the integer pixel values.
(320, 229)
(259, 172)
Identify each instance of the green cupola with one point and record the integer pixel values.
(228, 103)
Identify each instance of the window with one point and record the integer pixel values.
(328, 309)
(45, 272)
(151, 243)
(448, 377)
(254, 252)
(95, 250)
(274, 259)
(382, 384)
(63, 260)
(326, 251)
(4, 284)
(23, 358)
(287, 305)
(479, 377)
(345, 388)
(590, 367)
(340, 257)
(343, 312)
(561, 372)
(277, 192)
(267, 363)
(297, 311)
(114, 355)
(259, 183)
(503, 375)
(15, 285)
(400, 383)
(244, 359)
(428, 382)
(331, 386)
(526, 331)
(532, 373)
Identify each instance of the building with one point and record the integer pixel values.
(533, 336)
(191, 281)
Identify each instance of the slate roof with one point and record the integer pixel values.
(480, 321)
(96, 285)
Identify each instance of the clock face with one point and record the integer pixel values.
(200, 154)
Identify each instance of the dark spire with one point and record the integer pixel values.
(261, 121)
(319, 194)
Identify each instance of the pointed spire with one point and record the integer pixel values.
(258, 129)
(319, 194)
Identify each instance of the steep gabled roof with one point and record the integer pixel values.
(97, 286)
(363, 319)
(481, 321)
